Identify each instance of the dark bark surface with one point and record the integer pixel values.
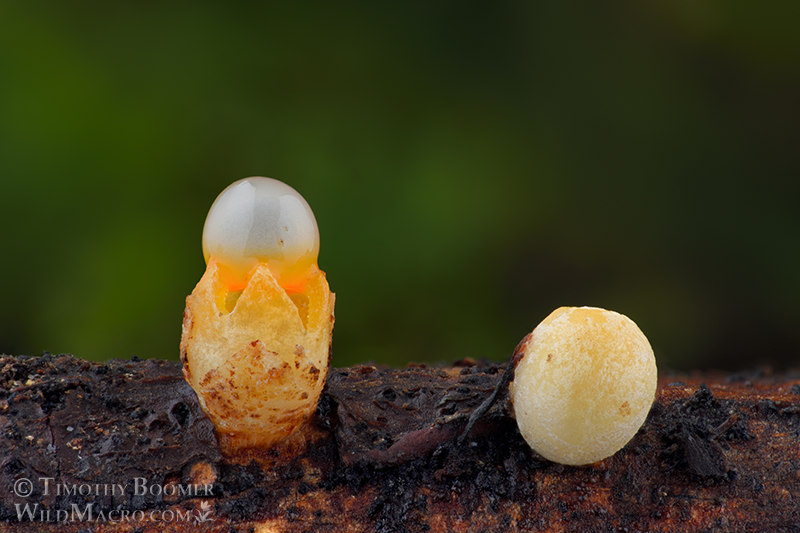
(717, 453)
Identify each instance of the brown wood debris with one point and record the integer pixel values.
(127, 441)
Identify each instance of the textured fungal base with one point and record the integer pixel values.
(259, 368)
(584, 385)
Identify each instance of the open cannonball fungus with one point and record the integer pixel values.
(584, 384)
(257, 327)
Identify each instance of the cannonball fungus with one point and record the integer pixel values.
(584, 384)
(262, 221)
(257, 327)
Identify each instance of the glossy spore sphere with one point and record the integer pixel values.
(261, 220)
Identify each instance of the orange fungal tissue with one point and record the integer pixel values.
(257, 327)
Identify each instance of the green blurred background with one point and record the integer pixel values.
(471, 168)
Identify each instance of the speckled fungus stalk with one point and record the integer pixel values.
(584, 384)
(257, 327)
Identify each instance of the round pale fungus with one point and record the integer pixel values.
(584, 384)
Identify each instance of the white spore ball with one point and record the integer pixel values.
(584, 384)
(262, 220)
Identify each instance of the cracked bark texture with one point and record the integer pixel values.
(717, 453)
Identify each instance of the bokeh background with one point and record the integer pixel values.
(471, 168)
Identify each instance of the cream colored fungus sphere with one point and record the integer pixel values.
(584, 384)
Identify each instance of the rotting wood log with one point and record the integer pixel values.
(124, 447)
